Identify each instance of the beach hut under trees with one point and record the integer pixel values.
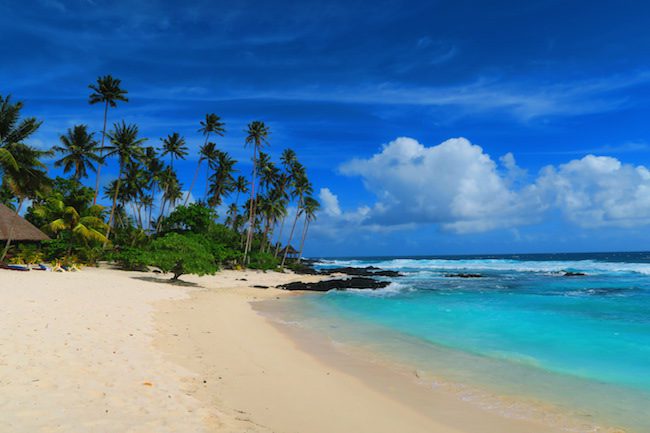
(291, 252)
(14, 228)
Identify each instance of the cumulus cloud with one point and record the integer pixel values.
(459, 187)
(598, 191)
(454, 184)
(329, 202)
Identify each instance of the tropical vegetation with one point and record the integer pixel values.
(147, 217)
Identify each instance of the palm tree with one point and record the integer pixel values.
(288, 159)
(79, 150)
(84, 227)
(310, 207)
(258, 134)
(301, 187)
(107, 90)
(174, 146)
(211, 124)
(126, 145)
(27, 178)
(222, 181)
(169, 185)
(276, 208)
(154, 168)
(281, 182)
(23, 174)
(209, 153)
(13, 130)
(241, 186)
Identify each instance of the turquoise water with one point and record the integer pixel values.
(580, 343)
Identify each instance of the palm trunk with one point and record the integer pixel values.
(267, 227)
(196, 174)
(101, 152)
(293, 227)
(304, 235)
(153, 198)
(110, 218)
(279, 241)
(11, 231)
(249, 237)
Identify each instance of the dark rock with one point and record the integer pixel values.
(337, 284)
(369, 271)
(463, 276)
(574, 274)
(259, 286)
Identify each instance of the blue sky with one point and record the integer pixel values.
(366, 92)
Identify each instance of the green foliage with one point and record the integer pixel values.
(68, 191)
(194, 218)
(132, 258)
(27, 254)
(182, 254)
(263, 261)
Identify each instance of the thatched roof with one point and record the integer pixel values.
(292, 250)
(22, 229)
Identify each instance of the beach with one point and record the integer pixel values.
(103, 350)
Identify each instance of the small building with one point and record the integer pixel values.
(17, 229)
(291, 252)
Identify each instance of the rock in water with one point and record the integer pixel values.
(337, 284)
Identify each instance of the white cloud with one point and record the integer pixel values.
(454, 184)
(329, 202)
(459, 187)
(598, 191)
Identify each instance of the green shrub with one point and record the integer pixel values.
(194, 218)
(182, 254)
(131, 258)
(264, 261)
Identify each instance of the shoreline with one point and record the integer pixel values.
(112, 351)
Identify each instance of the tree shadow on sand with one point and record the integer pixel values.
(167, 281)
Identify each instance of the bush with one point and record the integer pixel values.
(263, 261)
(182, 254)
(131, 259)
(194, 218)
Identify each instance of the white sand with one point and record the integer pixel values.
(112, 351)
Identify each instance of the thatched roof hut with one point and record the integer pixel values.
(17, 228)
(292, 253)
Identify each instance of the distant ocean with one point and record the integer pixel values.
(580, 344)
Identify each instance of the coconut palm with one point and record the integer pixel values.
(281, 182)
(23, 174)
(107, 91)
(310, 207)
(79, 150)
(241, 187)
(174, 146)
(275, 209)
(26, 178)
(258, 134)
(209, 153)
(85, 228)
(222, 182)
(125, 144)
(211, 124)
(154, 168)
(301, 188)
(13, 130)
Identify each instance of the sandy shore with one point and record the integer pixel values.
(111, 351)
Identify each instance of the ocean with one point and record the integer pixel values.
(524, 339)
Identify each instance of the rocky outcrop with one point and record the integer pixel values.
(463, 276)
(369, 271)
(337, 284)
(574, 274)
